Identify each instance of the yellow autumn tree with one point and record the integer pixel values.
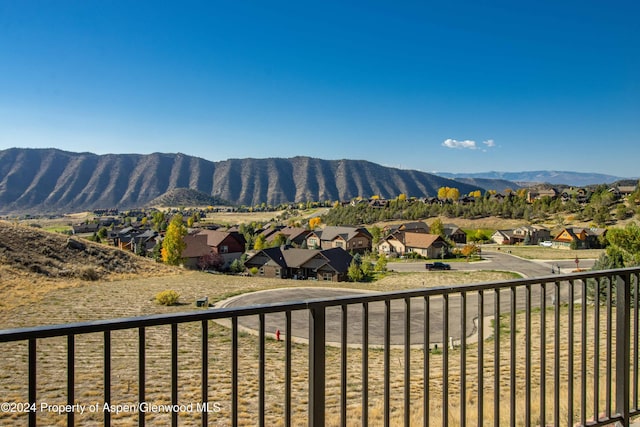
(448, 193)
(453, 193)
(173, 244)
(314, 222)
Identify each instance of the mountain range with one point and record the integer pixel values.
(576, 179)
(56, 181)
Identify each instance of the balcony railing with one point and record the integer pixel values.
(560, 350)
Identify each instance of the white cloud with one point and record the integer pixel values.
(452, 143)
(468, 144)
(489, 143)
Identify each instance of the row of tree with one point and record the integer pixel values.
(602, 208)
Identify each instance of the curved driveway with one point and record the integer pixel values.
(493, 261)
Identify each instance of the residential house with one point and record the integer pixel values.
(85, 228)
(351, 239)
(229, 245)
(196, 249)
(503, 237)
(580, 238)
(134, 239)
(621, 191)
(294, 263)
(531, 234)
(533, 195)
(424, 244)
(582, 196)
(414, 227)
(294, 235)
(455, 234)
(378, 203)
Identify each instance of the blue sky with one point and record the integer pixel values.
(456, 86)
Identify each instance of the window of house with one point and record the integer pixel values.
(277, 272)
(339, 244)
(326, 276)
(262, 271)
(224, 249)
(313, 241)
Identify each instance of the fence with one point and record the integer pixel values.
(561, 349)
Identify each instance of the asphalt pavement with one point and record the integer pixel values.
(493, 260)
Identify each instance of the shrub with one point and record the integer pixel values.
(168, 297)
(89, 274)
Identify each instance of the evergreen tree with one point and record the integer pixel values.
(354, 273)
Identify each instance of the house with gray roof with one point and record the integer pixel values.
(285, 262)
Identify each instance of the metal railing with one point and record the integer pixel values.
(561, 349)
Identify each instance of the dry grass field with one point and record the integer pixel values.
(541, 253)
(71, 304)
(30, 298)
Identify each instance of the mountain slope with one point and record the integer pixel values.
(578, 179)
(51, 180)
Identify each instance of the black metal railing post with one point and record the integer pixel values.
(32, 381)
(316, 365)
(623, 346)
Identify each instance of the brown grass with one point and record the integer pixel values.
(60, 303)
(541, 253)
(89, 382)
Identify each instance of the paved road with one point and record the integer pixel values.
(493, 261)
(499, 260)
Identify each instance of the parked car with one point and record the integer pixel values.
(437, 266)
(546, 244)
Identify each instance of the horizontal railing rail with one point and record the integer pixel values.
(478, 346)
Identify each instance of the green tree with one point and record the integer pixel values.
(158, 220)
(381, 264)
(376, 234)
(437, 227)
(260, 243)
(626, 241)
(102, 233)
(354, 273)
(621, 212)
(367, 269)
(279, 240)
(173, 243)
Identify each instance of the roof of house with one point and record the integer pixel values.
(196, 246)
(288, 257)
(505, 233)
(574, 232)
(215, 237)
(451, 228)
(421, 240)
(412, 226)
(339, 259)
(347, 233)
(290, 233)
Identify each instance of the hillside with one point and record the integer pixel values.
(185, 197)
(33, 261)
(55, 181)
